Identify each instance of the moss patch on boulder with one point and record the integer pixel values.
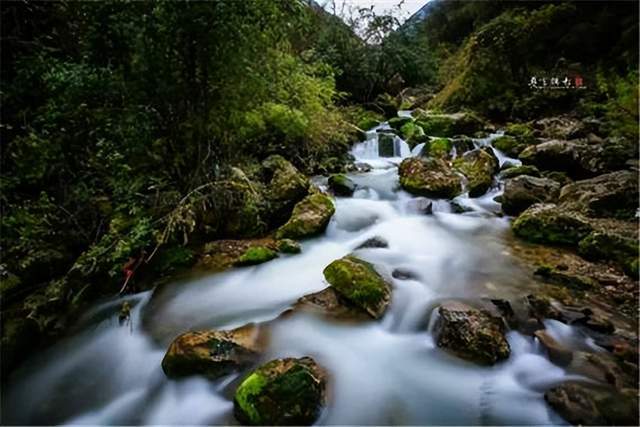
(429, 177)
(309, 218)
(478, 166)
(256, 255)
(515, 171)
(282, 392)
(360, 283)
(288, 246)
(341, 185)
(548, 223)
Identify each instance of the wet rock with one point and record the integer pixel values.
(212, 354)
(524, 191)
(360, 167)
(560, 127)
(330, 303)
(515, 171)
(360, 283)
(374, 242)
(471, 334)
(509, 145)
(399, 122)
(566, 278)
(429, 177)
(602, 367)
(447, 125)
(420, 205)
(256, 255)
(412, 134)
(439, 148)
(220, 255)
(386, 145)
(478, 166)
(548, 223)
(559, 177)
(541, 308)
(613, 194)
(282, 392)
(341, 185)
(310, 217)
(288, 246)
(558, 354)
(606, 245)
(462, 144)
(590, 404)
(577, 159)
(404, 274)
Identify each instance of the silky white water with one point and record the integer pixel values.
(380, 372)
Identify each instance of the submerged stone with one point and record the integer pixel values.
(360, 283)
(282, 392)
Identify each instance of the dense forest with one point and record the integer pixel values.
(137, 136)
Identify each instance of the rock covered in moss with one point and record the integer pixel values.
(360, 283)
(412, 133)
(606, 245)
(256, 255)
(331, 303)
(471, 334)
(509, 145)
(612, 194)
(310, 217)
(211, 353)
(288, 246)
(478, 166)
(285, 187)
(429, 177)
(566, 278)
(515, 171)
(398, 122)
(341, 185)
(593, 404)
(282, 392)
(549, 223)
(524, 191)
(438, 147)
(447, 125)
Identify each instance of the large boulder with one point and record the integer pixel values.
(360, 283)
(549, 223)
(514, 171)
(429, 177)
(282, 392)
(447, 125)
(471, 334)
(592, 404)
(609, 246)
(524, 191)
(310, 217)
(612, 194)
(560, 127)
(478, 166)
(578, 159)
(212, 353)
(285, 187)
(341, 185)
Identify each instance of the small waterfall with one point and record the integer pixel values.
(371, 148)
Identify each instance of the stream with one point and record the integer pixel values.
(380, 372)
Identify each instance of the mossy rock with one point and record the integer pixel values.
(212, 354)
(522, 131)
(524, 190)
(471, 334)
(360, 283)
(448, 125)
(285, 187)
(282, 392)
(478, 166)
(256, 255)
(310, 217)
(515, 171)
(411, 130)
(398, 122)
(509, 145)
(548, 223)
(567, 279)
(607, 246)
(429, 177)
(341, 185)
(386, 145)
(288, 246)
(439, 147)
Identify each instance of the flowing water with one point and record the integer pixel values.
(384, 372)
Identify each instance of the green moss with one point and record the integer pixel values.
(548, 224)
(341, 185)
(515, 171)
(288, 246)
(478, 166)
(247, 393)
(508, 145)
(410, 131)
(360, 283)
(310, 217)
(519, 130)
(256, 255)
(441, 126)
(440, 147)
(399, 122)
(609, 246)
